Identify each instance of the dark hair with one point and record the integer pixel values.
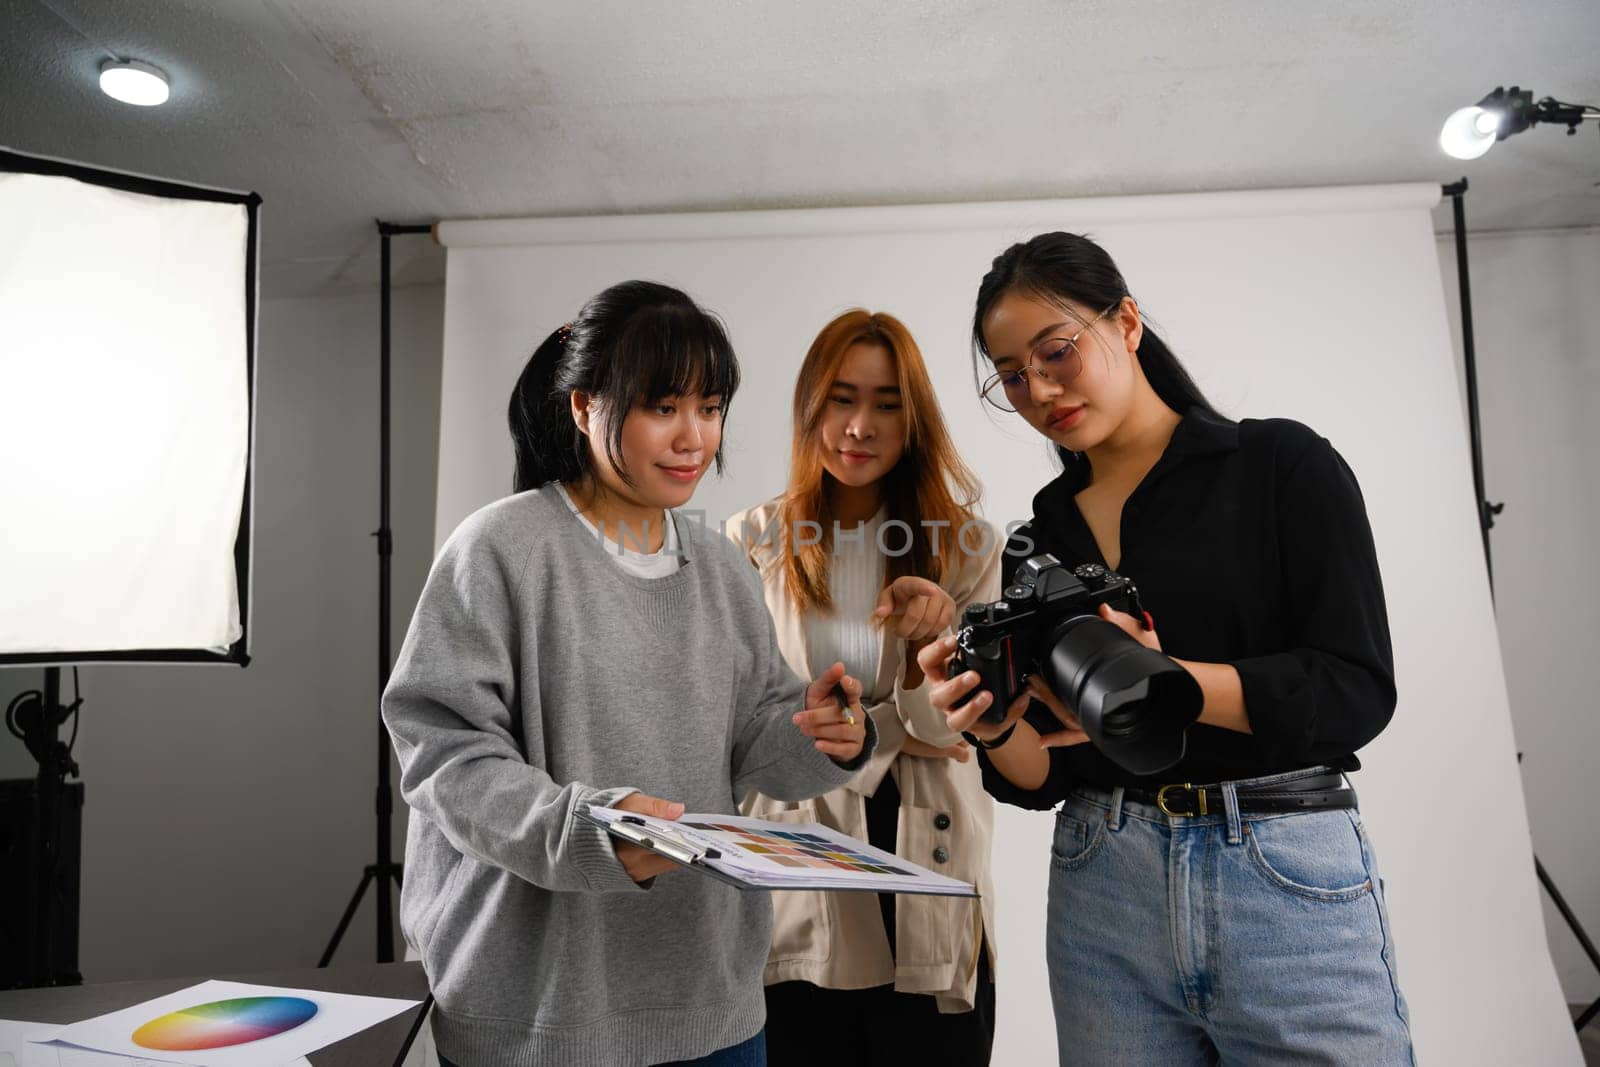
(635, 343)
(1056, 267)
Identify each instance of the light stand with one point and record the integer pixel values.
(50, 848)
(1457, 192)
(380, 874)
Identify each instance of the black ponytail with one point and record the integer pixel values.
(635, 343)
(546, 441)
(1058, 267)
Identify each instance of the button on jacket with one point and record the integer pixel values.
(1249, 544)
(837, 940)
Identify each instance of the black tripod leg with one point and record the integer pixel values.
(344, 923)
(427, 1006)
(1577, 931)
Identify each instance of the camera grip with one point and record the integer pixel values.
(993, 676)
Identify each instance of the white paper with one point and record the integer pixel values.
(73, 1056)
(338, 1015)
(17, 1041)
(33, 1045)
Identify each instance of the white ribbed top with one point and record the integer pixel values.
(845, 635)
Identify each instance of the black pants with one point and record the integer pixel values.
(809, 1025)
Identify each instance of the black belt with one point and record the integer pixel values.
(1322, 792)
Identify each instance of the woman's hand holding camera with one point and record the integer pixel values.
(947, 692)
(1018, 756)
(1131, 626)
(1071, 732)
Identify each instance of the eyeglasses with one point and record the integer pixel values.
(1055, 360)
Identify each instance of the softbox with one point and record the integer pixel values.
(127, 345)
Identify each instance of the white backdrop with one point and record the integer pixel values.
(1323, 305)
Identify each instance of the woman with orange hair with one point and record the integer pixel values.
(870, 554)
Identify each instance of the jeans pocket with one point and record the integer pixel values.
(1317, 855)
(1077, 839)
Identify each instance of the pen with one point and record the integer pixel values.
(844, 702)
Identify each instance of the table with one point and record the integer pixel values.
(375, 1046)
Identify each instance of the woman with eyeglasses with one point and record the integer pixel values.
(1229, 908)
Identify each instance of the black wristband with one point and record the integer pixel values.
(974, 739)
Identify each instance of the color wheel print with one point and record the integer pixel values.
(222, 1023)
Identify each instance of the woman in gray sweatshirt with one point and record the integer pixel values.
(582, 643)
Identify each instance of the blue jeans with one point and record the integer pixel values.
(1219, 938)
(751, 1053)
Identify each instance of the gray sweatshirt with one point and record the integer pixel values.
(538, 677)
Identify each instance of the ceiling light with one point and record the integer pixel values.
(1471, 131)
(133, 82)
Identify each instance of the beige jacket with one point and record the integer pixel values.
(836, 940)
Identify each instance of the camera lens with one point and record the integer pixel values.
(1133, 701)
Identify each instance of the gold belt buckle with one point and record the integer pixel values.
(1200, 797)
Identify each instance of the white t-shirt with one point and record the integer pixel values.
(643, 564)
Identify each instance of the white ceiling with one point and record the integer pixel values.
(411, 110)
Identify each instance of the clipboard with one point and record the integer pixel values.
(633, 829)
(758, 854)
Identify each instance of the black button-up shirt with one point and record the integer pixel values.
(1250, 545)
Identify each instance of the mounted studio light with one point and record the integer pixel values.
(126, 467)
(1471, 131)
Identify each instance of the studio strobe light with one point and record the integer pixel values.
(127, 343)
(1470, 132)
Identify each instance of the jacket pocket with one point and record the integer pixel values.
(802, 922)
(927, 927)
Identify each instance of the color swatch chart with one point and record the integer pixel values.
(763, 854)
(792, 848)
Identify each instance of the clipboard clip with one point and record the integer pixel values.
(634, 829)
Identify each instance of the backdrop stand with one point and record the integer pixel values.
(380, 874)
(1457, 192)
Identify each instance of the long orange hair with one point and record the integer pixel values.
(930, 483)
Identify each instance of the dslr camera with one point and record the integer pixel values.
(1134, 702)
